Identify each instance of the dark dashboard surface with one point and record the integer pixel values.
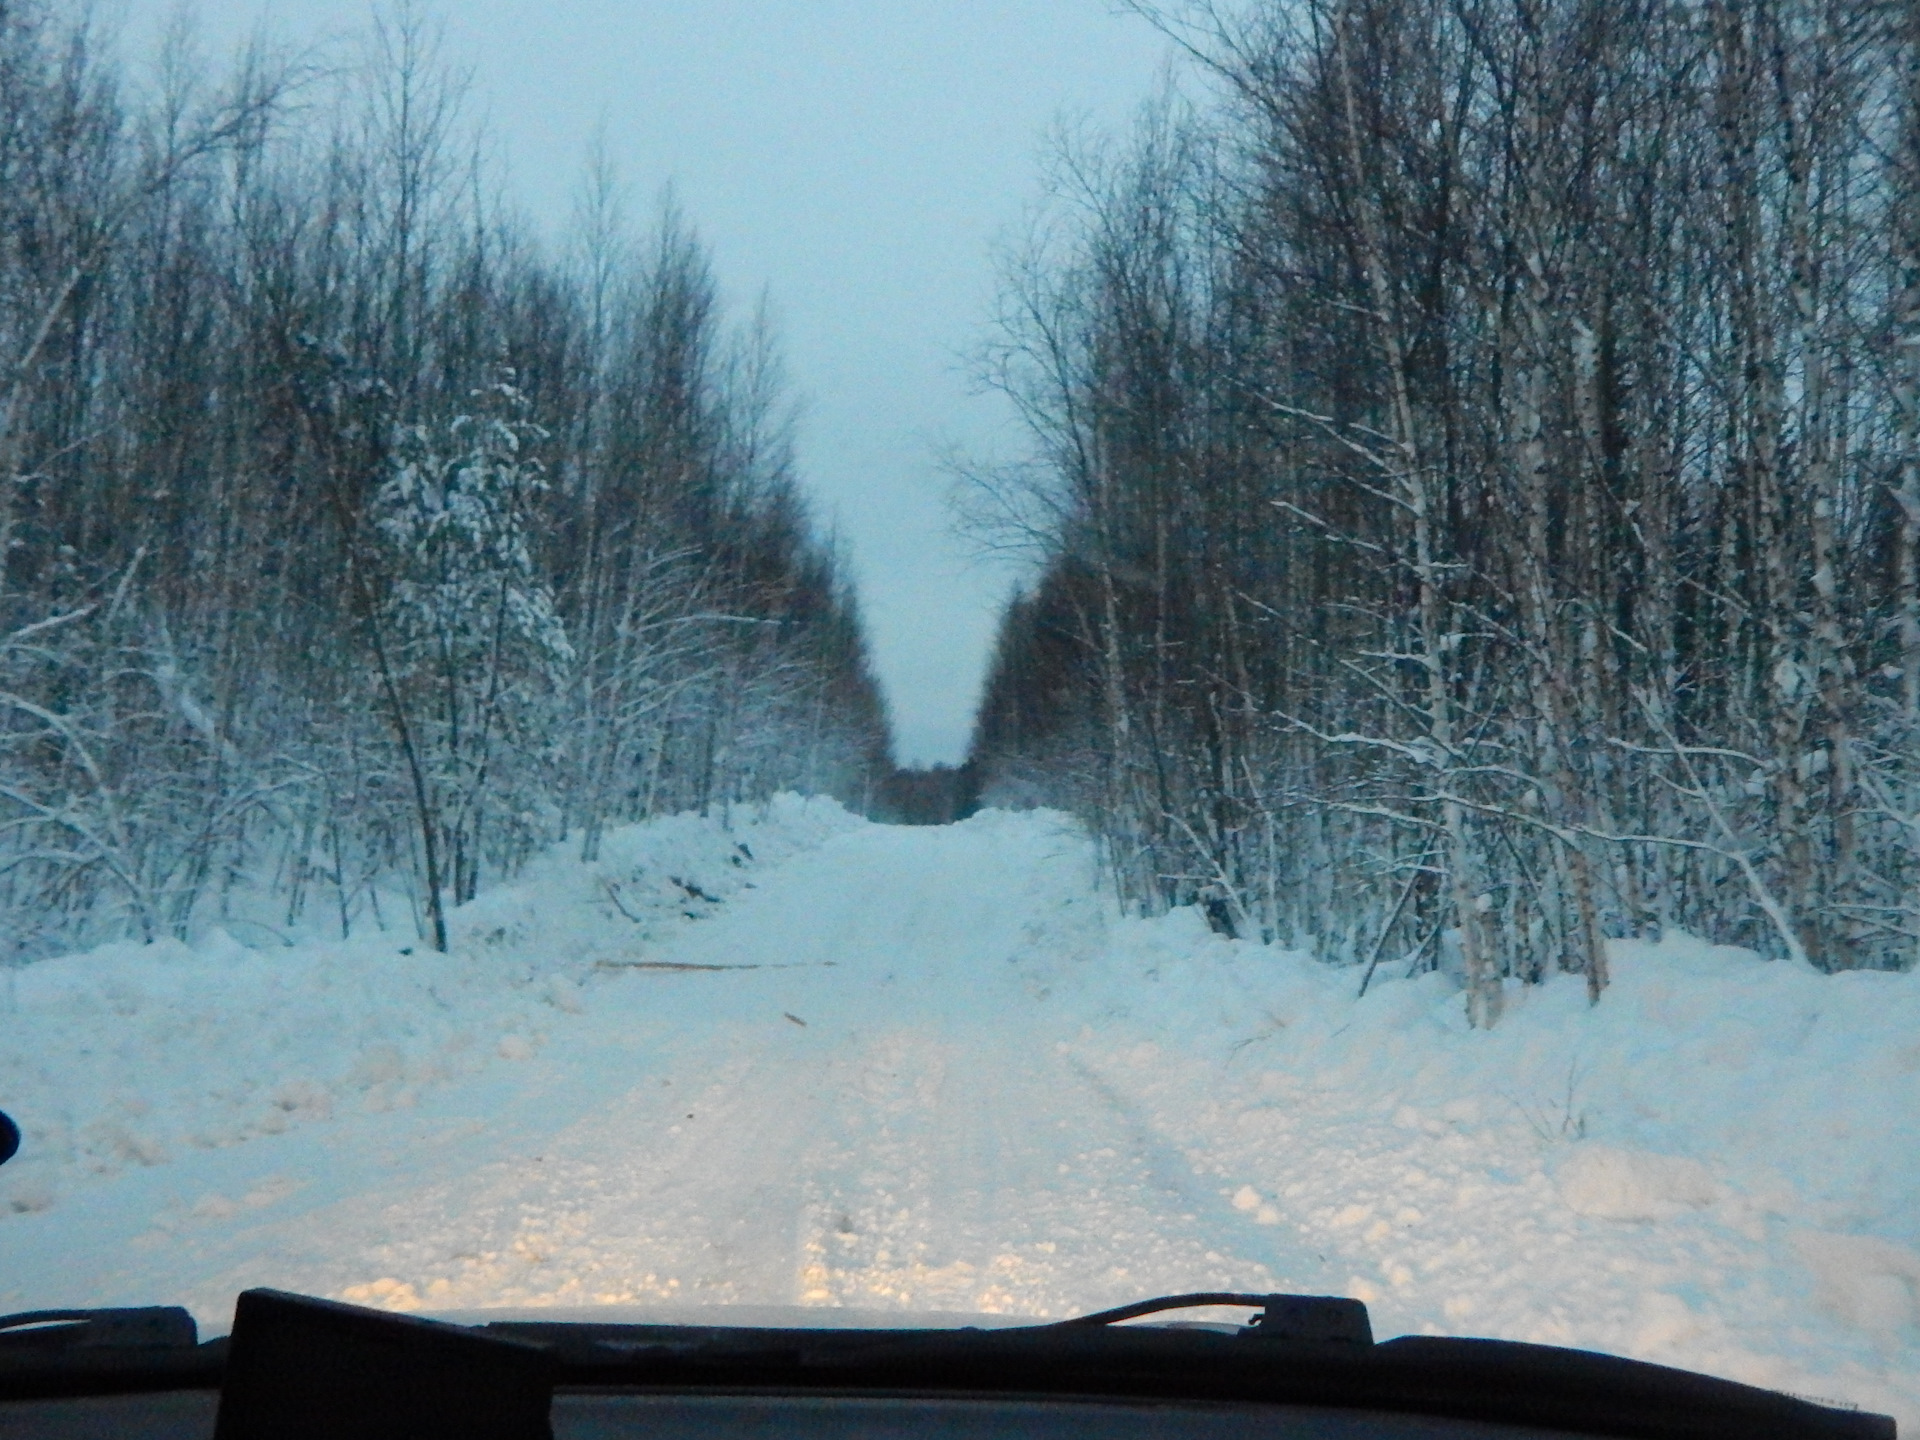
(302, 1368)
(189, 1415)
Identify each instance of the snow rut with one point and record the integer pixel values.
(995, 1176)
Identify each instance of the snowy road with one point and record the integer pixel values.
(933, 1071)
(882, 1115)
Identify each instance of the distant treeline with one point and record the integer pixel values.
(355, 546)
(936, 795)
(1476, 483)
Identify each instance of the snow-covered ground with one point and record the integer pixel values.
(938, 1073)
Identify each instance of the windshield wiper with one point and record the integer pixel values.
(78, 1352)
(1281, 1317)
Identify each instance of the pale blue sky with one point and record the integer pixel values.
(858, 159)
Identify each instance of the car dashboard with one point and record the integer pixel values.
(1307, 1368)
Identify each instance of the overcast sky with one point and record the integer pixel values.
(856, 158)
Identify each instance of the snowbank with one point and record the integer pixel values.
(1714, 1168)
(130, 1054)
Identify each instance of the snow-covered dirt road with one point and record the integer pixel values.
(879, 1117)
(930, 1069)
(882, 1113)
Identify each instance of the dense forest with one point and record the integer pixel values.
(354, 545)
(1474, 490)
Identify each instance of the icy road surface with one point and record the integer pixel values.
(933, 1071)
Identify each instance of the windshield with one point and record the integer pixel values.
(935, 662)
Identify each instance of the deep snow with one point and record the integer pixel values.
(958, 1081)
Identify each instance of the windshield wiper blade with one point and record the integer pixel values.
(139, 1326)
(100, 1351)
(1281, 1317)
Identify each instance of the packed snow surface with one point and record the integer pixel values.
(804, 1060)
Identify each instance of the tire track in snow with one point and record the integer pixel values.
(619, 1207)
(647, 1200)
(1295, 1267)
(1000, 1177)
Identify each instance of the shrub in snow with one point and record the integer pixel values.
(474, 648)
